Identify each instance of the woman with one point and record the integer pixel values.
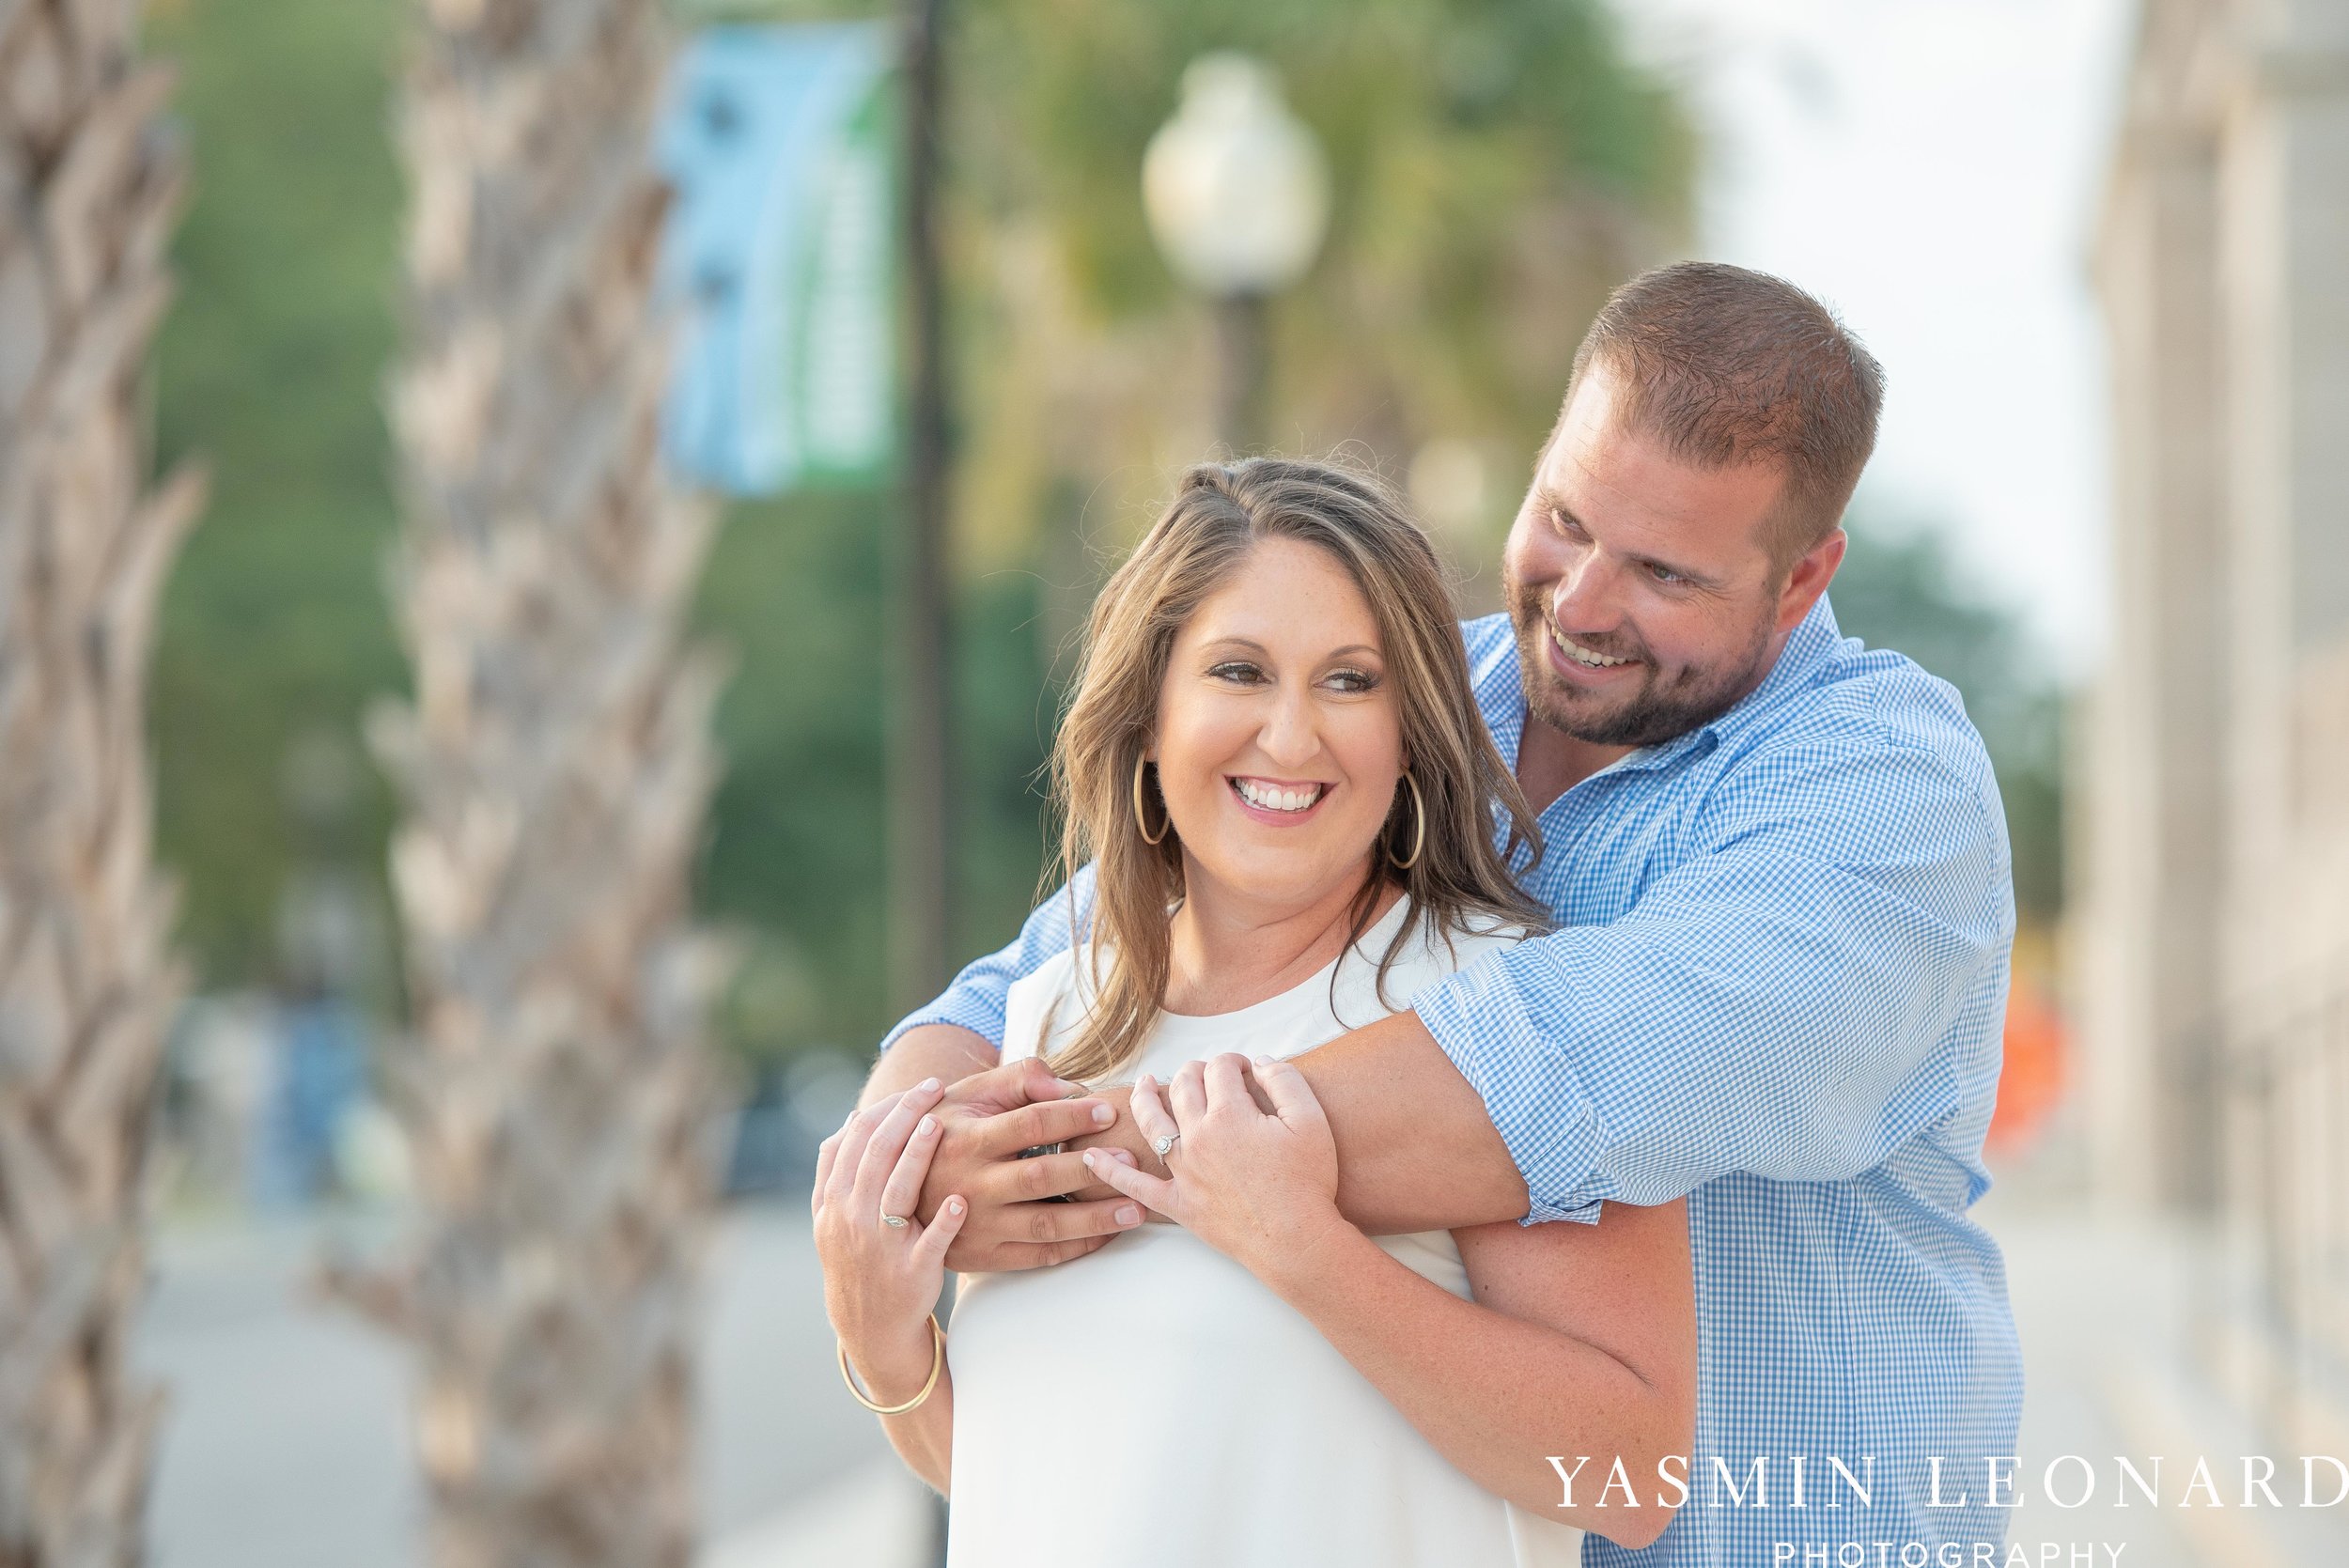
(1274, 763)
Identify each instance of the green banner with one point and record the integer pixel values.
(780, 144)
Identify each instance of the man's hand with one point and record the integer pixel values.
(985, 1121)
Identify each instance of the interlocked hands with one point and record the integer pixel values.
(1256, 1185)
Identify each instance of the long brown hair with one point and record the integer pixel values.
(1219, 513)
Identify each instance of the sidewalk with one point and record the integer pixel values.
(285, 1444)
(2101, 1305)
(878, 1517)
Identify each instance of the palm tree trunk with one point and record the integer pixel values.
(556, 766)
(89, 184)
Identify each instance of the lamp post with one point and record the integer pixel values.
(1237, 196)
(920, 842)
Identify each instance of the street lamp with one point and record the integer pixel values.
(1237, 196)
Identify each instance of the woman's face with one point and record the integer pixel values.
(1278, 746)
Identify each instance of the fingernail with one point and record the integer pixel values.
(1263, 1061)
(953, 1205)
(1121, 1157)
(929, 1124)
(1129, 1215)
(1089, 1162)
(926, 1085)
(1103, 1115)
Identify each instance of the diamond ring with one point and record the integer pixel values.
(894, 1221)
(1164, 1143)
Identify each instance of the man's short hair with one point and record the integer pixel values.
(1725, 366)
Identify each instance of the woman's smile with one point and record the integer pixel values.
(1278, 803)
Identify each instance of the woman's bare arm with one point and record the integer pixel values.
(924, 1435)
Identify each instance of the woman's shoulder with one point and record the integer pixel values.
(1046, 998)
(1431, 949)
(1047, 978)
(1460, 940)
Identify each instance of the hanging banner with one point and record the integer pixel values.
(779, 257)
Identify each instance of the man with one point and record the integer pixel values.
(1780, 869)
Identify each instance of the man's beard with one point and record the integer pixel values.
(1662, 707)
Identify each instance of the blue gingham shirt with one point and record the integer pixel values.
(1778, 989)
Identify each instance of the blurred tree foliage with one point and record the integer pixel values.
(275, 628)
(1498, 165)
(1899, 589)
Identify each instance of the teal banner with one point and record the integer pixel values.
(780, 258)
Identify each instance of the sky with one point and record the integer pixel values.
(1934, 170)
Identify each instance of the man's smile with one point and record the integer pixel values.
(1591, 657)
(1580, 662)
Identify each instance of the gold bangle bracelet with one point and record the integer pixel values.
(938, 1364)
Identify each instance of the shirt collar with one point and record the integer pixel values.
(1498, 682)
(1499, 685)
(1808, 649)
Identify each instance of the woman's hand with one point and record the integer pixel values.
(1259, 1187)
(882, 1281)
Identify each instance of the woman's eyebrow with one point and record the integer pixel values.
(1253, 646)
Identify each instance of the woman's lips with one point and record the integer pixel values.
(1276, 815)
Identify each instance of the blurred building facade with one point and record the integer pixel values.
(2212, 931)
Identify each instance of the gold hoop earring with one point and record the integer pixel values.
(1418, 831)
(1140, 816)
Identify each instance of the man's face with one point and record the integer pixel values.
(1645, 601)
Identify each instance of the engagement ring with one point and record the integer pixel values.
(1164, 1143)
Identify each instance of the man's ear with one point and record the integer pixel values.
(1808, 578)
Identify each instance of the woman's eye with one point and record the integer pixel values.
(1354, 680)
(1237, 671)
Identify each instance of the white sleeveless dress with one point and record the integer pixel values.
(1152, 1405)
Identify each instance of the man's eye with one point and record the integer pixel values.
(1665, 574)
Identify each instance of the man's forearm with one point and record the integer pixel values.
(1416, 1151)
(944, 1051)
